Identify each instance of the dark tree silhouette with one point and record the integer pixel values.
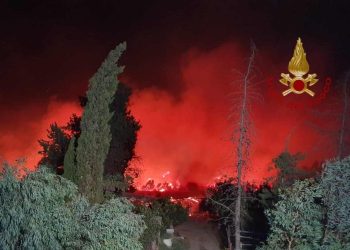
(288, 171)
(54, 147)
(73, 126)
(124, 128)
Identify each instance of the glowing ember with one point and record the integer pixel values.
(193, 199)
(161, 186)
(191, 203)
(166, 174)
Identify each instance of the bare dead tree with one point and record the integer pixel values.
(242, 145)
(229, 204)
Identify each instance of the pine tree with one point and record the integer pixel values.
(54, 149)
(73, 126)
(95, 138)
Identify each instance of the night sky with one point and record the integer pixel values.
(179, 61)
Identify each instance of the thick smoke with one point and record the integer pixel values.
(189, 136)
(186, 134)
(20, 139)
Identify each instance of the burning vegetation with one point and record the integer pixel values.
(140, 160)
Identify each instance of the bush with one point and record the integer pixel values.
(153, 223)
(313, 215)
(171, 213)
(45, 211)
(336, 188)
(158, 216)
(296, 219)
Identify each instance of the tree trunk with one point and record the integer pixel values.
(228, 232)
(238, 222)
(242, 149)
(289, 244)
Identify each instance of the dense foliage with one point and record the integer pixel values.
(73, 125)
(54, 147)
(60, 149)
(95, 138)
(45, 211)
(171, 213)
(313, 214)
(124, 130)
(255, 225)
(70, 165)
(153, 221)
(220, 203)
(287, 166)
(159, 215)
(296, 219)
(335, 183)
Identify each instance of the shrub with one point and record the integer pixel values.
(314, 215)
(336, 188)
(296, 219)
(153, 222)
(45, 211)
(158, 216)
(171, 213)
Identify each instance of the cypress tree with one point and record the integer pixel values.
(95, 138)
(70, 162)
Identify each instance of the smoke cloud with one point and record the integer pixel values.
(20, 139)
(189, 136)
(186, 130)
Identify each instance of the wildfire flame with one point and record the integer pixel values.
(166, 174)
(162, 186)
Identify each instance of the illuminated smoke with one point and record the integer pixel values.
(185, 137)
(188, 136)
(21, 141)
